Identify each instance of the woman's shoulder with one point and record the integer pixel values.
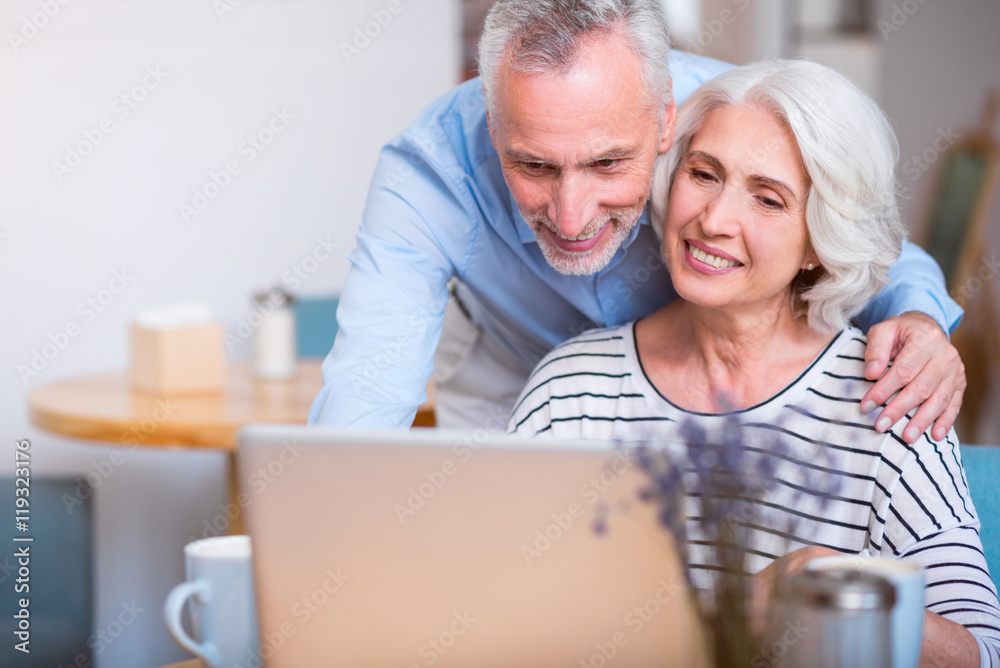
(603, 337)
(596, 351)
(834, 397)
(842, 363)
(586, 370)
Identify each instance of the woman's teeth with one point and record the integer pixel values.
(716, 262)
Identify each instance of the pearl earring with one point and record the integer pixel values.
(809, 266)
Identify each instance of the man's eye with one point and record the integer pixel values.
(535, 165)
(607, 162)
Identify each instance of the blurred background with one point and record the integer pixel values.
(116, 116)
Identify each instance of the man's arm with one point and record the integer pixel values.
(907, 324)
(392, 305)
(915, 284)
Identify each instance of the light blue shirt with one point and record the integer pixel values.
(438, 207)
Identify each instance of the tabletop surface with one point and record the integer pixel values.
(105, 408)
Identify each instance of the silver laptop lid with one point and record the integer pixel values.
(437, 548)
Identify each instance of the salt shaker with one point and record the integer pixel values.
(274, 344)
(835, 618)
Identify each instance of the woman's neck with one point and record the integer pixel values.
(711, 360)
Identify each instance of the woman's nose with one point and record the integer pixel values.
(721, 216)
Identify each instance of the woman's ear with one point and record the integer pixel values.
(811, 260)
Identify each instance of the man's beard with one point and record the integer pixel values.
(586, 262)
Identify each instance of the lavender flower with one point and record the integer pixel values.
(733, 476)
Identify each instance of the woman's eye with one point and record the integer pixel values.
(771, 204)
(700, 175)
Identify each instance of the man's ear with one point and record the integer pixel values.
(669, 122)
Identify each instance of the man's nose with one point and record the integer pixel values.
(574, 204)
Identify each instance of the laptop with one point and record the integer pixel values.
(453, 549)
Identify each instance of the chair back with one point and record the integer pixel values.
(315, 325)
(982, 471)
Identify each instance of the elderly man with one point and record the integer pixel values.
(526, 192)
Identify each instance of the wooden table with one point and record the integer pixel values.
(104, 408)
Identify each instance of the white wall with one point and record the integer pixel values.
(936, 68)
(62, 236)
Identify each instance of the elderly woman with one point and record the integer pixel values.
(781, 222)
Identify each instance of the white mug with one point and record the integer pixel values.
(907, 616)
(223, 614)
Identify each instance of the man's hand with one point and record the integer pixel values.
(926, 371)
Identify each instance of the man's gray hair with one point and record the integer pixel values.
(849, 152)
(544, 36)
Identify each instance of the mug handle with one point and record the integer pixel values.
(172, 610)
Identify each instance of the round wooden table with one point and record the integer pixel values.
(106, 409)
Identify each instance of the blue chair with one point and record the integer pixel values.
(315, 325)
(60, 577)
(982, 470)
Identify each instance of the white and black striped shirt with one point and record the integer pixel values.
(890, 499)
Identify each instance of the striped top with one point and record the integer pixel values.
(836, 481)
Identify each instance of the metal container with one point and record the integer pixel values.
(274, 355)
(834, 618)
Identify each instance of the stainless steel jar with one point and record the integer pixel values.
(834, 618)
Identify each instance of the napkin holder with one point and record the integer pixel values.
(176, 350)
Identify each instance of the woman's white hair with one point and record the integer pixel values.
(544, 36)
(849, 152)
